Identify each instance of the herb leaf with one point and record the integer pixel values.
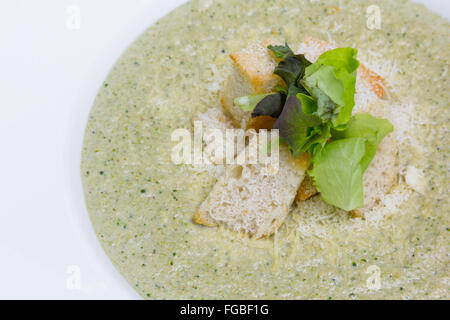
(270, 105)
(294, 125)
(337, 173)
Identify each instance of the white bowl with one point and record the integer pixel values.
(109, 278)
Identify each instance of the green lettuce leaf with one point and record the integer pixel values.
(337, 173)
(317, 139)
(341, 58)
(294, 125)
(331, 81)
(309, 104)
(368, 127)
(325, 106)
(340, 164)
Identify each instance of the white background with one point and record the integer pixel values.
(49, 76)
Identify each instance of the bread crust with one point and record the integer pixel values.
(203, 218)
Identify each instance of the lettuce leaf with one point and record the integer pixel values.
(294, 125)
(290, 70)
(337, 173)
(331, 81)
(366, 126)
(318, 138)
(340, 165)
(341, 58)
(309, 105)
(271, 105)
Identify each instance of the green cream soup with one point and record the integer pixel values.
(141, 204)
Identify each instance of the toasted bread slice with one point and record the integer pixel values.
(252, 74)
(247, 200)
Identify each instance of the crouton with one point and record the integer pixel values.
(252, 74)
(246, 200)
